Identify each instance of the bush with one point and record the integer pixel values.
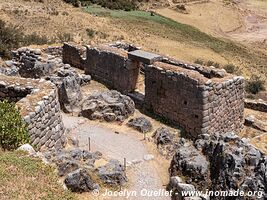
(13, 130)
(90, 32)
(35, 39)
(12, 37)
(64, 37)
(255, 85)
(230, 68)
(126, 5)
(199, 61)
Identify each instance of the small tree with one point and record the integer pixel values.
(255, 85)
(13, 130)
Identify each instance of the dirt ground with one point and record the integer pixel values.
(243, 21)
(257, 138)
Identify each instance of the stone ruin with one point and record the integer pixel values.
(201, 100)
(39, 107)
(206, 102)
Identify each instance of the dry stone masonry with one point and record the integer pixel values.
(202, 100)
(73, 55)
(39, 107)
(112, 67)
(199, 104)
(107, 64)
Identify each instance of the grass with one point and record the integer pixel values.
(187, 31)
(22, 177)
(165, 27)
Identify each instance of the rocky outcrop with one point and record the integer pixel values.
(68, 83)
(108, 106)
(190, 163)
(141, 124)
(80, 181)
(163, 136)
(77, 167)
(226, 163)
(112, 173)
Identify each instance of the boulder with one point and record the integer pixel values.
(189, 162)
(69, 92)
(66, 167)
(108, 106)
(27, 148)
(162, 136)
(112, 173)
(80, 181)
(141, 124)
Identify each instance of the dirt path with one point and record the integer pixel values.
(142, 174)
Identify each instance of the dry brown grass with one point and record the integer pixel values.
(28, 178)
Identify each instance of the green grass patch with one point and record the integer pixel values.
(165, 27)
(186, 31)
(23, 177)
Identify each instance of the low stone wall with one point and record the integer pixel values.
(199, 104)
(73, 55)
(39, 107)
(112, 67)
(259, 105)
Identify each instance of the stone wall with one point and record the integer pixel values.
(199, 104)
(39, 107)
(259, 105)
(112, 67)
(73, 55)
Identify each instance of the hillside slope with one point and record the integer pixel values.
(55, 19)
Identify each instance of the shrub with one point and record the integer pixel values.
(90, 32)
(12, 37)
(199, 61)
(255, 85)
(230, 68)
(181, 7)
(13, 130)
(126, 5)
(35, 39)
(210, 63)
(64, 37)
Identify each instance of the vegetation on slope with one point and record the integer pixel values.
(12, 37)
(28, 178)
(167, 28)
(13, 130)
(126, 5)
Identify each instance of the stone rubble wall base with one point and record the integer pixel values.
(258, 105)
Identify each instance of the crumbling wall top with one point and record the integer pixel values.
(108, 48)
(190, 73)
(39, 88)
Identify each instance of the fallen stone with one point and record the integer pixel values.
(108, 106)
(112, 173)
(162, 136)
(80, 181)
(148, 157)
(66, 167)
(141, 124)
